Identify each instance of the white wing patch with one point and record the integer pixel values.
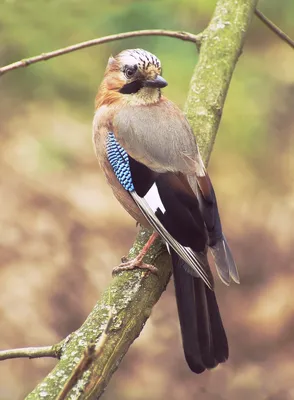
(187, 254)
(153, 199)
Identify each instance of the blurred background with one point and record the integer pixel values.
(62, 232)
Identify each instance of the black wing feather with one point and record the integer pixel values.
(219, 247)
(182, 225)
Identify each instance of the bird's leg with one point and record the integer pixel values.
(137, 262)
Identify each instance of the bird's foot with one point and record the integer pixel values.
(137, 262)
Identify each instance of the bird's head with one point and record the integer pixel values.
(134, 74)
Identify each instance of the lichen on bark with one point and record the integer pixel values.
(222, 43)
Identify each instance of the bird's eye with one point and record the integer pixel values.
(130, 71)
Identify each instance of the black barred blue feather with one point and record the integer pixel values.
(119, 160)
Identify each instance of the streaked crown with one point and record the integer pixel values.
(142, 58)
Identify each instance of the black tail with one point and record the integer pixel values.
(204, 338)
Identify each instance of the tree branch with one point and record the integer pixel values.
(132, 295)
(189, 37)
(274, 28)
(91, 353)
(221, 46)
(31, 352)
(185, 36)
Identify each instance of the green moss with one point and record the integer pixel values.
(221, 47)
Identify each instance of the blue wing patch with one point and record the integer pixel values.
(119, 160)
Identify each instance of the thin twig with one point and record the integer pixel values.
(90, 354)
(282, 35)
(30, 352)
(106, 39)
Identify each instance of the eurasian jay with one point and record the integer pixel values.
(149, 155)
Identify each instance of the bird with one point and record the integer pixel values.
(150, 157)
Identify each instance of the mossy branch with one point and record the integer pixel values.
(222, 43)
(132, 295)
(130, 298)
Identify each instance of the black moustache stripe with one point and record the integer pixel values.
(132, 87)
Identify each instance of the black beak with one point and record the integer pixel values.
(158, 82)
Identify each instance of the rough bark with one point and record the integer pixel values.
(132, 295)
(222, 44)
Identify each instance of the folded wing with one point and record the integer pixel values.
(170, 208)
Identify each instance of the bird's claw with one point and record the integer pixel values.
(133, 264)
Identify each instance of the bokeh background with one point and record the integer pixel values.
(62, 232)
